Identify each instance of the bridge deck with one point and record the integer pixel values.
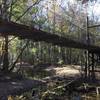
(26, 32)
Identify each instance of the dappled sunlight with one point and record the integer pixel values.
(16, 83)
(65, 70)
(47, 49)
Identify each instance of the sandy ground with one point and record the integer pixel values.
(66, 70)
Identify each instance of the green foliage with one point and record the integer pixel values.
(34, 10)
(34, 50)
(60, 61)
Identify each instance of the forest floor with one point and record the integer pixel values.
(54, 77)
(15, 84)
(58, 77)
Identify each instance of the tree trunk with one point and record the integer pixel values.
(5, 54)
(4, 16)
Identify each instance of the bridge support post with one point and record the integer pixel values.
(86, 64)
(91, 66)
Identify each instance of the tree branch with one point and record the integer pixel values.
(23, 13)
(27, 10)
(22, 50)
(12, 38)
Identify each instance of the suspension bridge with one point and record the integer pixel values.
(28, 32)
(10, 28)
